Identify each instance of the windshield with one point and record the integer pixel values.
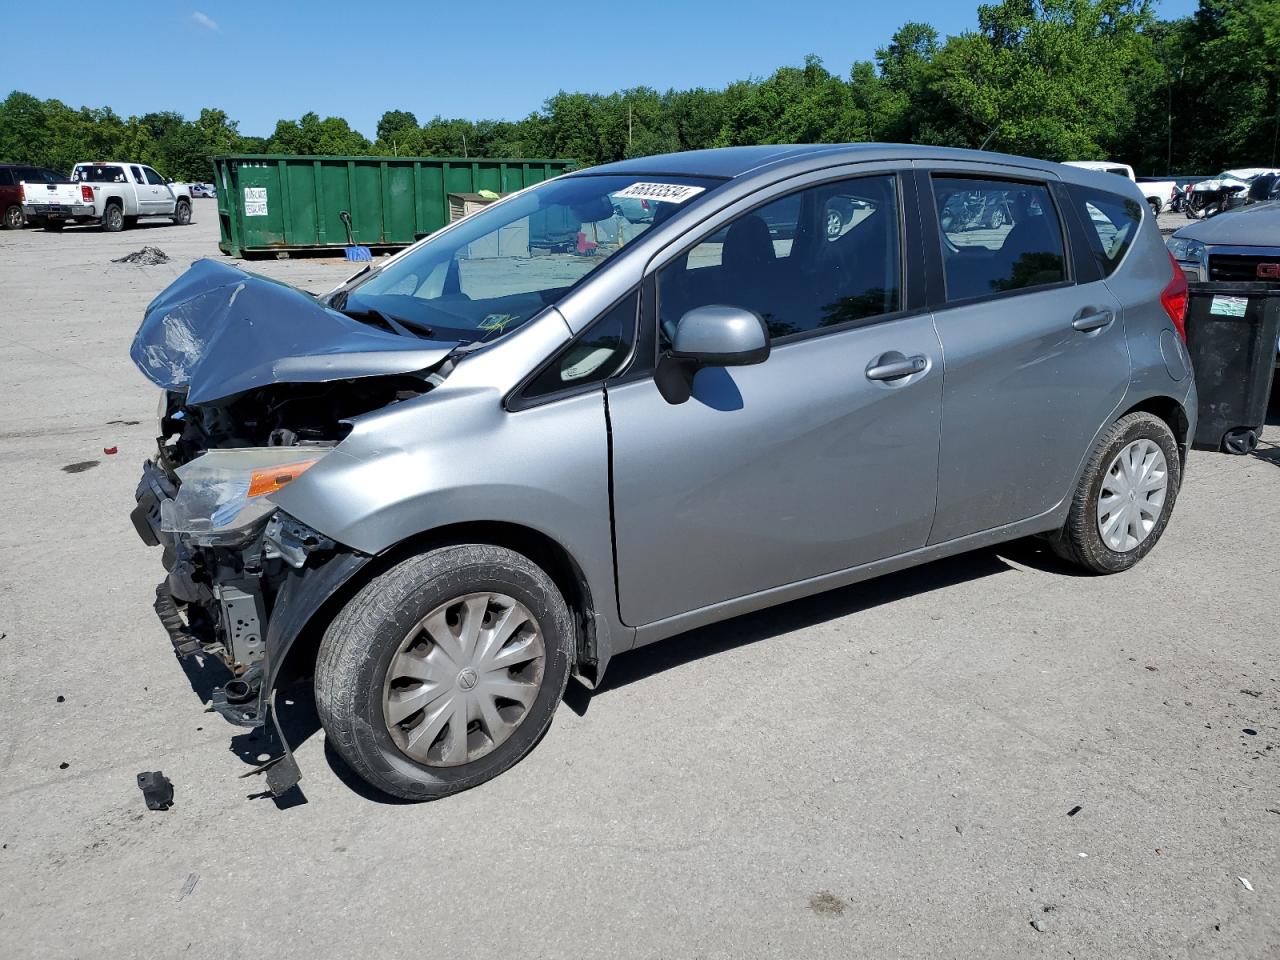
(505, 264)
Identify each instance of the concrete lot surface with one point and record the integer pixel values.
(885, 771)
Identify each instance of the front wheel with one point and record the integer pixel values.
(182, 213)
(1125, 496)
(444, 671)
(13, 218)
(1155, 207)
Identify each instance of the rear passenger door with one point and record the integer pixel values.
(1033, 343)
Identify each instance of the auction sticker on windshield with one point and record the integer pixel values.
(661, 192)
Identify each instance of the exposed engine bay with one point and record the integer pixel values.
(260, 383)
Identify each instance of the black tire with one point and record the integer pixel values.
(1079, 540)
(182, 213)
(1155, 206)
(13, 219)
(358, 647)
(113, 218)
(54, 226)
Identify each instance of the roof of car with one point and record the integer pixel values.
(731, 162)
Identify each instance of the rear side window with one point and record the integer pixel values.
(997, 236)
(595, 356)
(6, 178)
(1110, 224)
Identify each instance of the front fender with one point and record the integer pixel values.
(299, 598)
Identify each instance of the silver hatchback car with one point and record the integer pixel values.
(483, 465)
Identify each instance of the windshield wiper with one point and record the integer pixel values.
(399, 325)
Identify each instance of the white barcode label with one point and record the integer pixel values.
(661, 192)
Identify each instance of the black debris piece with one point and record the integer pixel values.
(63, 765)
(156, 789)
(1250, 732)
(61, 698)
(80, 466)
(1073, 811)
(147, 257)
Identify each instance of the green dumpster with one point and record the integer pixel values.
(270, 202)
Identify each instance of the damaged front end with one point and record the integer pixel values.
(260, 384)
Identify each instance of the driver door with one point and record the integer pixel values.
(808, 463)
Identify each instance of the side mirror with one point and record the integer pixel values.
(711, 336)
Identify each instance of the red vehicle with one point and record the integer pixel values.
(11, 175)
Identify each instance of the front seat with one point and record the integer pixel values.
(748, 267)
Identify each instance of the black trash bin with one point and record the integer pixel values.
(1231, 336)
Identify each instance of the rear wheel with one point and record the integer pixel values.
(444, 671)
(1125, 497)
(113, 219)
(1155, 206)
(182, 213)
(13, 218)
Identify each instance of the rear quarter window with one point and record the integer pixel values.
(1110, 224)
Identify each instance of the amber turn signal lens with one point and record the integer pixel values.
(270, 479)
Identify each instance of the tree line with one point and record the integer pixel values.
(1057, 79)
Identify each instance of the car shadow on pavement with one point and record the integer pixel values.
(799, 614)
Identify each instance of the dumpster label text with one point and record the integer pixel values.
(662, 192)
(255, 201)
(1228, 306)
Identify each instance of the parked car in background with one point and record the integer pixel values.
(460, 477)
(1227, 191)
(1159, 192)
(114, 193)
(203, 190)
(12, 176)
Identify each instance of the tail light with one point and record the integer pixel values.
(1174, 299)
(22, 193)
(86, 193)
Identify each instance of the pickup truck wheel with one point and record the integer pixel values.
(113, 218)
(182, 213)
(13, 219)
(1125, 496)
(444, 671)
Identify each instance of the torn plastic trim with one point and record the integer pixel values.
(216, 332)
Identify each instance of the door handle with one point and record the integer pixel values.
(896, 369)
(1093, 320)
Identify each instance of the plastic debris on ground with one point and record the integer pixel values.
(156, 789)
(146, 257)
(1244, 882)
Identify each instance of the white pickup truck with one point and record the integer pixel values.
(113, 193)
(1158, 192)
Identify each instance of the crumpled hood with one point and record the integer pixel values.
(1257, 225)
(217, 331)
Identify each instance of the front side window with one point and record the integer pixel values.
(98, 173)
(997, 236)
(153, 178)
(824, 256)
(506, 263)
(1111, 222)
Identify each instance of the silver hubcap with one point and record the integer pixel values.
(1132, 495)
(463, 679)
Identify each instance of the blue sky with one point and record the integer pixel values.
(261, 61)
